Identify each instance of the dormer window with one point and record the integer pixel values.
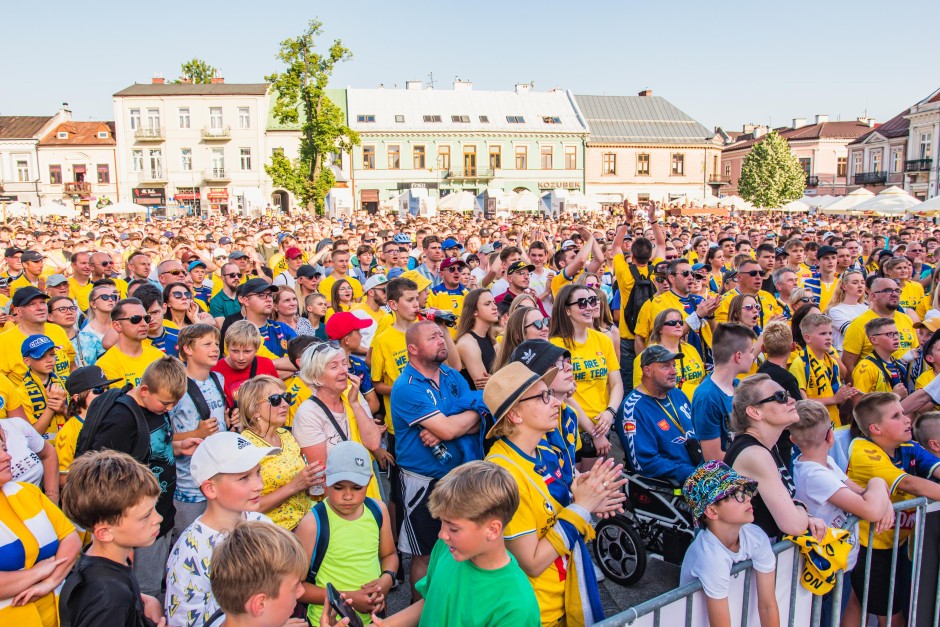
(365, 118)
(102, 134)
(515, 119)
(62, 135)
(548, 119)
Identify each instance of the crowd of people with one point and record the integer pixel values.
(197, 414)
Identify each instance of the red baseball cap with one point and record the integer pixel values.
(293, 252)
(342, 323)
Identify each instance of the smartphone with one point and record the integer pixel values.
(338, 605)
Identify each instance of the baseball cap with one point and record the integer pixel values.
(54, 280)
(452, 261)
(226, 453)
(32, 255)
(450, 242)
(35, 346)
(486, 249)
(422, 281)
(255, 286)
(503, 392)
(727, 275)
(342, 323)
(656, 354)
(516, 266)
(168, 234)
(225, 239)
(538, 355)
(195, 264)
(219, 252)
(307, 271)
(825, 250)
(348, 461)
(237, 254)
(712, 482)
(780, 251)
(931, 324)
(698, 266)
(374, 281)
(661, 267)
(568, 243)
(12, 250)
(281, 236)
(293, 252)
(86, 378)
(26, 295)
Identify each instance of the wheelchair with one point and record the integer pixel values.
(656, 520)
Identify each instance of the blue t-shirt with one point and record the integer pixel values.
(275, 336)
(358, 367)
(414, 399)
(167, 341)
(653, 433)
(712, 410)
(185, 417)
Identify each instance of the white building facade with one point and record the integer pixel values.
(20, 175)
(922, 164)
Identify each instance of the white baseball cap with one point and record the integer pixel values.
(226, 452)
(374, 281)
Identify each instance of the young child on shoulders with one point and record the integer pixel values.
(227, 469)
(829, 494)
(817, 367)
(360, 558)
(113, 497)
(720, 500)
(256, 575)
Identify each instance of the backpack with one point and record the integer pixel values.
(643, 290)
(199, 400)
(323, 533)
(100, 407)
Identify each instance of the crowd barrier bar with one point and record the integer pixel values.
(655, 606)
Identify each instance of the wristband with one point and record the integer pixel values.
(580, 511)
(390, 573)
(693, 321)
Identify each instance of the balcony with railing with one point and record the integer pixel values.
(155, 134)
(219, 133)
(153, 175)
(719, 179)
(469, 173)
(77, 187)
(918, 165)
(871, 178)
(214, 175)
(812, 180)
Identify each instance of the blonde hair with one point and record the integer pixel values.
(810, 431)
(746, 395)
(167, 374)
(255, 558)
(252, 393)
(103, 485)
(522, 300)
(778, 339)
(838, 293)
(243, 334)
(191, 333)
(313, 363)
(812, 321)
(477, 491)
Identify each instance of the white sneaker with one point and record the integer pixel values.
(598, 573)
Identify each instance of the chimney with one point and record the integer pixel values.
(460, 85)
(185, 80)
(759, 131)
(523, 88)
(821, 118)
(646, 92)
(799, 122)
(869, 122)
(217, 80)
(414, 85)
(157, 79)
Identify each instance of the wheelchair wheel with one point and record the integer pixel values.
(619, 551)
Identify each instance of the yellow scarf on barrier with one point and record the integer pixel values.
(822, 558)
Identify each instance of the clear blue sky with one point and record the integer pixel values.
(723, 62)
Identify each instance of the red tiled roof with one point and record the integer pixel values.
(824, 130)
(935, 98)
(895, 127)
(21, 126)
(80, 134)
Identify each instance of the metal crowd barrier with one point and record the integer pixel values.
(802, 607)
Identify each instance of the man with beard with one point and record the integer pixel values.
(657, 421)
(750, 279)
(884, 297)
(256, 297)
(434, 412)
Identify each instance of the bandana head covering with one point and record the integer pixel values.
(712, 482)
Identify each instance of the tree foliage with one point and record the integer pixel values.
(771, 176)
(197, 70)
(300, 90)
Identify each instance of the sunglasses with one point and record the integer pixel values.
(106, 263)
(751, 273)
(659, 279)
(780, 396)
(99, 390)
(684, 273)
(671, 257)
(185, 295)
(113, 297)
(584, 302)
(672, 323)
(136, 319)
(233, 275)
(174, 272)
(322, 346)
(540, 324)
(698, 277)
(276, 399)
(808, 299)
(750, 307)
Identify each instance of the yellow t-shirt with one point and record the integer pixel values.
(9, 398)
(375, 315)
(819, 379)
(855, 341)
(924, 379)
(868, 377)
(65, 441)
(80, 293)
(326, 287)
(440, 298)
(389, 358)
(20, 281)
(385, 321)
(690, 370)
(11, 352)
(911, 295)
(925, 304)
(826, 290)
(770, 307)
(591, 362)
(299, 392)
(117, 365)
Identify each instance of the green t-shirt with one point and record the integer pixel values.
(459, 593)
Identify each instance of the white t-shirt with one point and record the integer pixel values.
(710, 562)
(539, 283)
(499, 287)
(23, 444)
(480, 274)
(285, 278)
(311, 426)
(842, 315)
(815, 484)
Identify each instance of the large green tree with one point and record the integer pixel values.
(771, 176)
(300, 97)
(197, 71)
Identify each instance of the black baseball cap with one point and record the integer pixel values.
(254, 286)
(307, 271)
(32, 255)
(539, 355)
(86, 378)
(26, 295)
(12, 250)
(825, 250)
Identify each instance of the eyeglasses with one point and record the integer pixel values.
(890, 334)
(546, 397)
(174, 272)
(67, 309)
(184, 295)
(563, 363)
(233, 275)
(672, 323)
(136, 319)
(264, 295)
(584, 302)
(751, 273)
(780, 396)
(113, 297)
(889, 290)
(741, 496)
(809, 299)
(275, 399)
(539, 324)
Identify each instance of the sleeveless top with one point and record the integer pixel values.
(487, 354)
(762, 516)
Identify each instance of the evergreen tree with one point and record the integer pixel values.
(771, 175)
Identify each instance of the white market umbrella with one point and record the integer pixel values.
(712, 201)
(17, 210)
(928, 208)
(891, 202)
(524, 201)
(122, 208)
(795, 206)
(462, 201)
(55, 208)
(846, 203)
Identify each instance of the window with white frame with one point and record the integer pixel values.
(215, 117)
(897, 159)
(156, 164)
(244, 118)
(186, 159)
(22, 170)
(875, 161)
(925, 140)
(218, 161)
(153, 119)
(137, 160)
(135, 119)
(857, 163)
(244, 156)
(184, 117)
